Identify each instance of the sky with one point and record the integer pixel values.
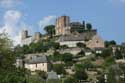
(107, 16)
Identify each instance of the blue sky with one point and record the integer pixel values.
(108, 16)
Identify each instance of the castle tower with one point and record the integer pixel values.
(63, 25)
(24, 34)
(37, 36)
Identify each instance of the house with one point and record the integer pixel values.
(91, 39)
(73, 50)
(52, 75)
(19, 62)
(95, 42)
(74, 38)
(36, 62)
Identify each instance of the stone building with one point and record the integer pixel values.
(95, 42)
(36, 62)
(91, 40)
(24, 34)
(62, 25)
(26, 39)
(77, 26)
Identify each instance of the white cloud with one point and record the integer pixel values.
(11, 26)
(9, 3)
(46, 21)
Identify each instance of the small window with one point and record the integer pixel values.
(97, 41)
(36, 65)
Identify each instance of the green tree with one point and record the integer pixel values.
(67, 57)
(109, 43)
(81, 53)
(59, 69)
(53, 81)
(50, 30)
(109, 61)
(89, 26)
(8, 72)
(106, 53)
(114, 74)
(81, 45)
(42, 74)
(81, 75)
(118, 54)
(70, 80)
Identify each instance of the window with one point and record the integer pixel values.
(97, 41)
(36, 65)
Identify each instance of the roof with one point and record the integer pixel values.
(52, 75)
(77, 37)
(36, 59)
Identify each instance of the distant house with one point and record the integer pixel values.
(52, 75)
(19, 62)
(74, 50)
(74, 38)
(95, 42)
(92, 40)
(36, 62)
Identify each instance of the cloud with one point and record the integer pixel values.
(11, 26)
(9, 3)
(46, 21)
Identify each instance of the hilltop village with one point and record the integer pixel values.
(70, 52)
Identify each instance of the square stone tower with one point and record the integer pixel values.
(63, 25)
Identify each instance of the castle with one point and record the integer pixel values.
(63, 25)
(26, 39)
(70, 33)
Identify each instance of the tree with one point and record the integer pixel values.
(108, 62)
(59, 69)
(50, 30)
(55, 45)
(89, 26)
(67, 57)
(79, 67)
(109, 43)
(42, 74)
(81, 53)
(70, 80)
(63, 47)
(114, 74)
(81, 75)
(53, 81)
(106, 53)
(81, 45)
(8, 72)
